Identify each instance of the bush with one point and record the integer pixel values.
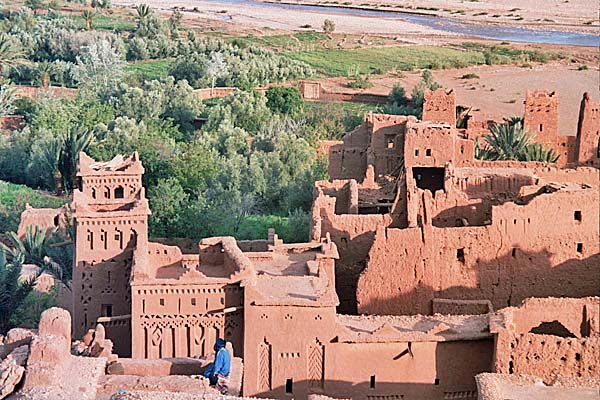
(470, 76)
(285, 100)
(398, 94)
(328, 26)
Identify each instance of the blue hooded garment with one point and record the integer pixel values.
(222, 362)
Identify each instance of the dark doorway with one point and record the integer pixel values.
(552, 328)
(429, 178)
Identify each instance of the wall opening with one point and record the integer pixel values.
(194, 301)
(389, 141)
(289, 385)
(372, 382)
(119, 192)
(577, 216)
(106, 310)
(431, 179)
(428, 153)
(417, 151)
(56, 220)
(580, 247)
(541, 127)
(436, 382)
(514, 252)
(460, 255)
(161, 302)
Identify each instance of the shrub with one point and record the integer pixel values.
(470, 76)
(328, 26)
(286, 100)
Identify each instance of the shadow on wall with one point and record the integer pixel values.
(506, 282)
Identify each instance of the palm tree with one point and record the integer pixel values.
(44, 69)
(76, 141)
(537, 152)
(11, 54)
(510, 141)
(507, 141)
(88, 17)
(12, 291)
(143, 11)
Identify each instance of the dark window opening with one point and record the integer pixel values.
(107, 310)
(598, 151)
(541, 127)
(577, 216)
(431, 179)
(428, 153)
(289, 385)
(514, 252)
(56, 220)
(93, 193)
(417, 152)
(194, 301)
(389, 141)
(580, 247)
(119, 192)
(436, 382)
(162, 302)
(372, 382)
(460, 255)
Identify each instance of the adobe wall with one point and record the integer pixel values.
(211, 93)
(387, 141)
(406, 370)
(349, 159)
(517, 255)
(440, 106)
(433, 145)
(44, 218)
(12, 122)
(310, 90)
(548, 337)
(34, 91)
(587, 148)
(541, 117)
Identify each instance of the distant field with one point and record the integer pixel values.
(381, 60)
(151, 69)
(293, 41)
(13, 199)
(113, 22)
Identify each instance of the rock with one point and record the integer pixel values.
(10, 375)
(20, 355)
(101, 349)
(56, 321)
(100, 333)
(18, 335)
(89, 337)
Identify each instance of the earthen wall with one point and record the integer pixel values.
(587, 148)
(541, 117)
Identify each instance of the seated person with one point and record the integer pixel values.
(218, 372)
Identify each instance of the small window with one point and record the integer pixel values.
(194, 301)
(119, 192)
(460, 255)
(289, 385)
(577, 216)
(514, 252)
(580, 248)
(416, 152)
(436, 382)
(161, 302)
(107, 310)
(56, 220)
(372, 382)
(541, 127)
(428, 152)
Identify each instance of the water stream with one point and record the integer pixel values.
(487, 31)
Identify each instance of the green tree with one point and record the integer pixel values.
(398, 94)
(11, 54)
(88, 17)
(99, 68)
(286, 100)
(510, 141)
(34, 5)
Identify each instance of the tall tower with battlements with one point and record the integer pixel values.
(111, 219)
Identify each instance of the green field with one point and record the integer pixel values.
(297, 41)
(151, 69)
(383, 59)
(113, 22)
(13, 199)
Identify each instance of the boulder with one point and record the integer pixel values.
(18, 335)
(11, 374)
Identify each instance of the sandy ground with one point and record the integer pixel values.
(222, 15)
(500, 90)
(544, 14)
(547, 14)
